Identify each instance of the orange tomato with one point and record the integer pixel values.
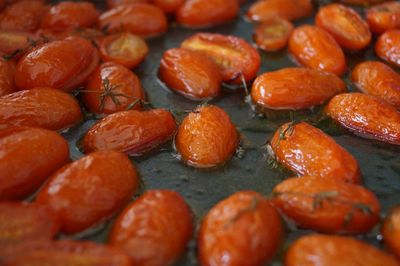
(287, 9)
(273, 34)
(391, 231)
(361, 2)
(90, 34)
(387, 47)
(115, 3)
(7, 70)
(383, 17)
(15, 44)
(169, 6)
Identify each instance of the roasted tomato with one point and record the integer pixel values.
(379, 80)
(41, 107)
(306, 150)
(132, 132)
(195, 13)
(67, 15)
(112, 88)
(345, 25)
(15, 44)
(125, 48)
(315, 48)
(206, 137)
(169, 6)
(236, 58)
(243, 229)
(62, 64)
(29, 156)
(387, 47)
(273, 34)
(7, 70)
(115, 3)
(288, 9)
(21, 222)
(391, 231)
(130, 18)
(89, 190)
(154, 229)
(190, 73)
(281, 89)
(383, 17)
(361, 2)
(366, 116)
(316, 250)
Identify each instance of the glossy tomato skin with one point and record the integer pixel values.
(206, 137)
(29, 157)
(366, 116)
(295, 88)
(233, 55)
(112, 79)
(273, 34)
(391, 231)
(130, 18)
(387, 47)
(377, 79)
(40, 107)
(228, 228)
(64, 65)
(115, 3)
(190, 73)
(197, 14)
(15, 44)
(345, 25)
(155, 229)
(169, 6)
(88, 191)
(315, 48)
(7, 70)
(384, 17)
(132, 132)
(287, 9)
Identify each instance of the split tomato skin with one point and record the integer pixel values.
(315, 48)
(287, 9)
(387, 47)
(307, 150)
(7, 70)
(228, 228)
(86, 192)
(154, 229)
(384, 17)
(190, 73)
(273, 34)
(281, 89)
(391, 231)
(131, 132)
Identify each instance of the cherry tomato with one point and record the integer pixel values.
(361, 2)
(281, 89)
(190, 73)
(41, 107)
(115, 3)
(206, 137)
(391, 231)
(235, 57)
(62, 64)
(154, 229)
(345, 25)
(15, 44)
(383, 17)
(243, 229)
(366, 116)
(169, 6)
(287, 9)
(112, 88)
(132, 132)
(7, 70)
(315, 48)
(387, 47)
(29, 156)
(273, 34)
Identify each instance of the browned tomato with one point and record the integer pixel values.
(273, 34)
(391, 231)
(387, 47)
(288, 9)
(7, 70)
(190, 73)
(115, 3)
(383, 17)
(155, 229)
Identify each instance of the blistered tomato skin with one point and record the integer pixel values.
(387, 47)
(366, 116)
(287, 9)
(155, 229)
(7, 70)
(88, 191)
(190, 73)
(391, 231)
(29, 157)
(131, 132)
(230, 226)
(206, 137)
(273, 34)
(384, 17)
(281, 89)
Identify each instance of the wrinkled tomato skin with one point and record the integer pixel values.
(131, 132)
(384, 17)
(21, 222)
(7, 70)
(121, 81)
(190, 73)
(273, 34)
(86, 192)
(62, 65)
(130, 18)
(115, 3)
(315, 48)
(233, 55)
(387, 47)
(41, 107)
(317, 249)
(154, 229)
(169, 6)
(197, 14)
(391, 231)
(29, 157)
(328, 206)
(228, 228)
(345, 25)
(287, 9)
(366, 116)
(377, 79)
(206, 137)
(281, 89)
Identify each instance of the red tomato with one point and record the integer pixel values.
(287, 9)
(243, 229)
(361, 2)
(155, 229)
(273, 34)
(90, 34)
(7, 70)
(90, 190)
(383, 17)
(169, 6)
(115, 3)
(387, 47)
(15, 44)
(391, 231)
